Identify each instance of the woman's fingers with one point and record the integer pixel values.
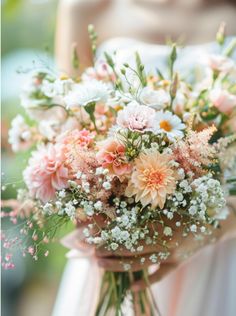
(161, 272)
(101, 251)
(99, 221)
(124, 264)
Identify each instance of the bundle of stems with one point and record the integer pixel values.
(116, 289)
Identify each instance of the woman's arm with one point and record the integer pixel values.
(73, 18)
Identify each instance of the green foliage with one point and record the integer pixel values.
(140, 70)
(90, 108)
(172, 59)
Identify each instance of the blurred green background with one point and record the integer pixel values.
(28, 28)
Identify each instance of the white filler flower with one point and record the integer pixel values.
(87, 92)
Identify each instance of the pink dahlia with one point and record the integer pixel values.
(112, 156)
(46, 172)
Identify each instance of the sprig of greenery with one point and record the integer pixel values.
(93, 39)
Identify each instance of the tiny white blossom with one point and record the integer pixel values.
(193, 228)
(86, 232)
(167, 231)
(98, 205)
(192, 210)
(153, 258)
(114, 246)
(202, 229)
(88, 209)
(106, 185)
(78, 175)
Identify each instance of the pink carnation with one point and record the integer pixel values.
(112, 156)
(46, 172)
(77, 137)
(223, 100)
(136, 117)
(220, 63)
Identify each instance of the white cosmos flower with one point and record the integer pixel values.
(57, 88)
(87, 92)
(20, 136)
(156, 99)
(170, 124)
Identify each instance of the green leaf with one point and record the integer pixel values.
(230, 48)
(140, 70)
(93, 38)
(75, 57)
(172, 59)
(220, 35)
(90, 108)
(159, 73)
(111, 63)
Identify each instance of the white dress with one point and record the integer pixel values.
(205, 285)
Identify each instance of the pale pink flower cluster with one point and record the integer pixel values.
(195, 151)
(101, 71)
(220, 63)
(46, 172)
(136, 117)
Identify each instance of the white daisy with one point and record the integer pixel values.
(87, 92)
(170, 124)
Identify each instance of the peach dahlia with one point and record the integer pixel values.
(153, 179)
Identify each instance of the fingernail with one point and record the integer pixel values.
(135, 288)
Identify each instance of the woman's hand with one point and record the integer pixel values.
(179, 248)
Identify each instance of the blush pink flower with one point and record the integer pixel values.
(112, 157)
(136, 117)
(46, 172)
(101, 71)
(223, 100)
(195, 151)
(220, 63)
(76, 137)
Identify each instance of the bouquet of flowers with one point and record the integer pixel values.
(132, 157)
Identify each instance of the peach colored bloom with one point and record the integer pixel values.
(223, 100)
(112, 156)
(153, 179)
(77, 137)
(46, 172)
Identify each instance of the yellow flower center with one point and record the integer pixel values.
(166, 126)
(153, 178)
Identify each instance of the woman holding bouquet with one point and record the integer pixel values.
(195, 280)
